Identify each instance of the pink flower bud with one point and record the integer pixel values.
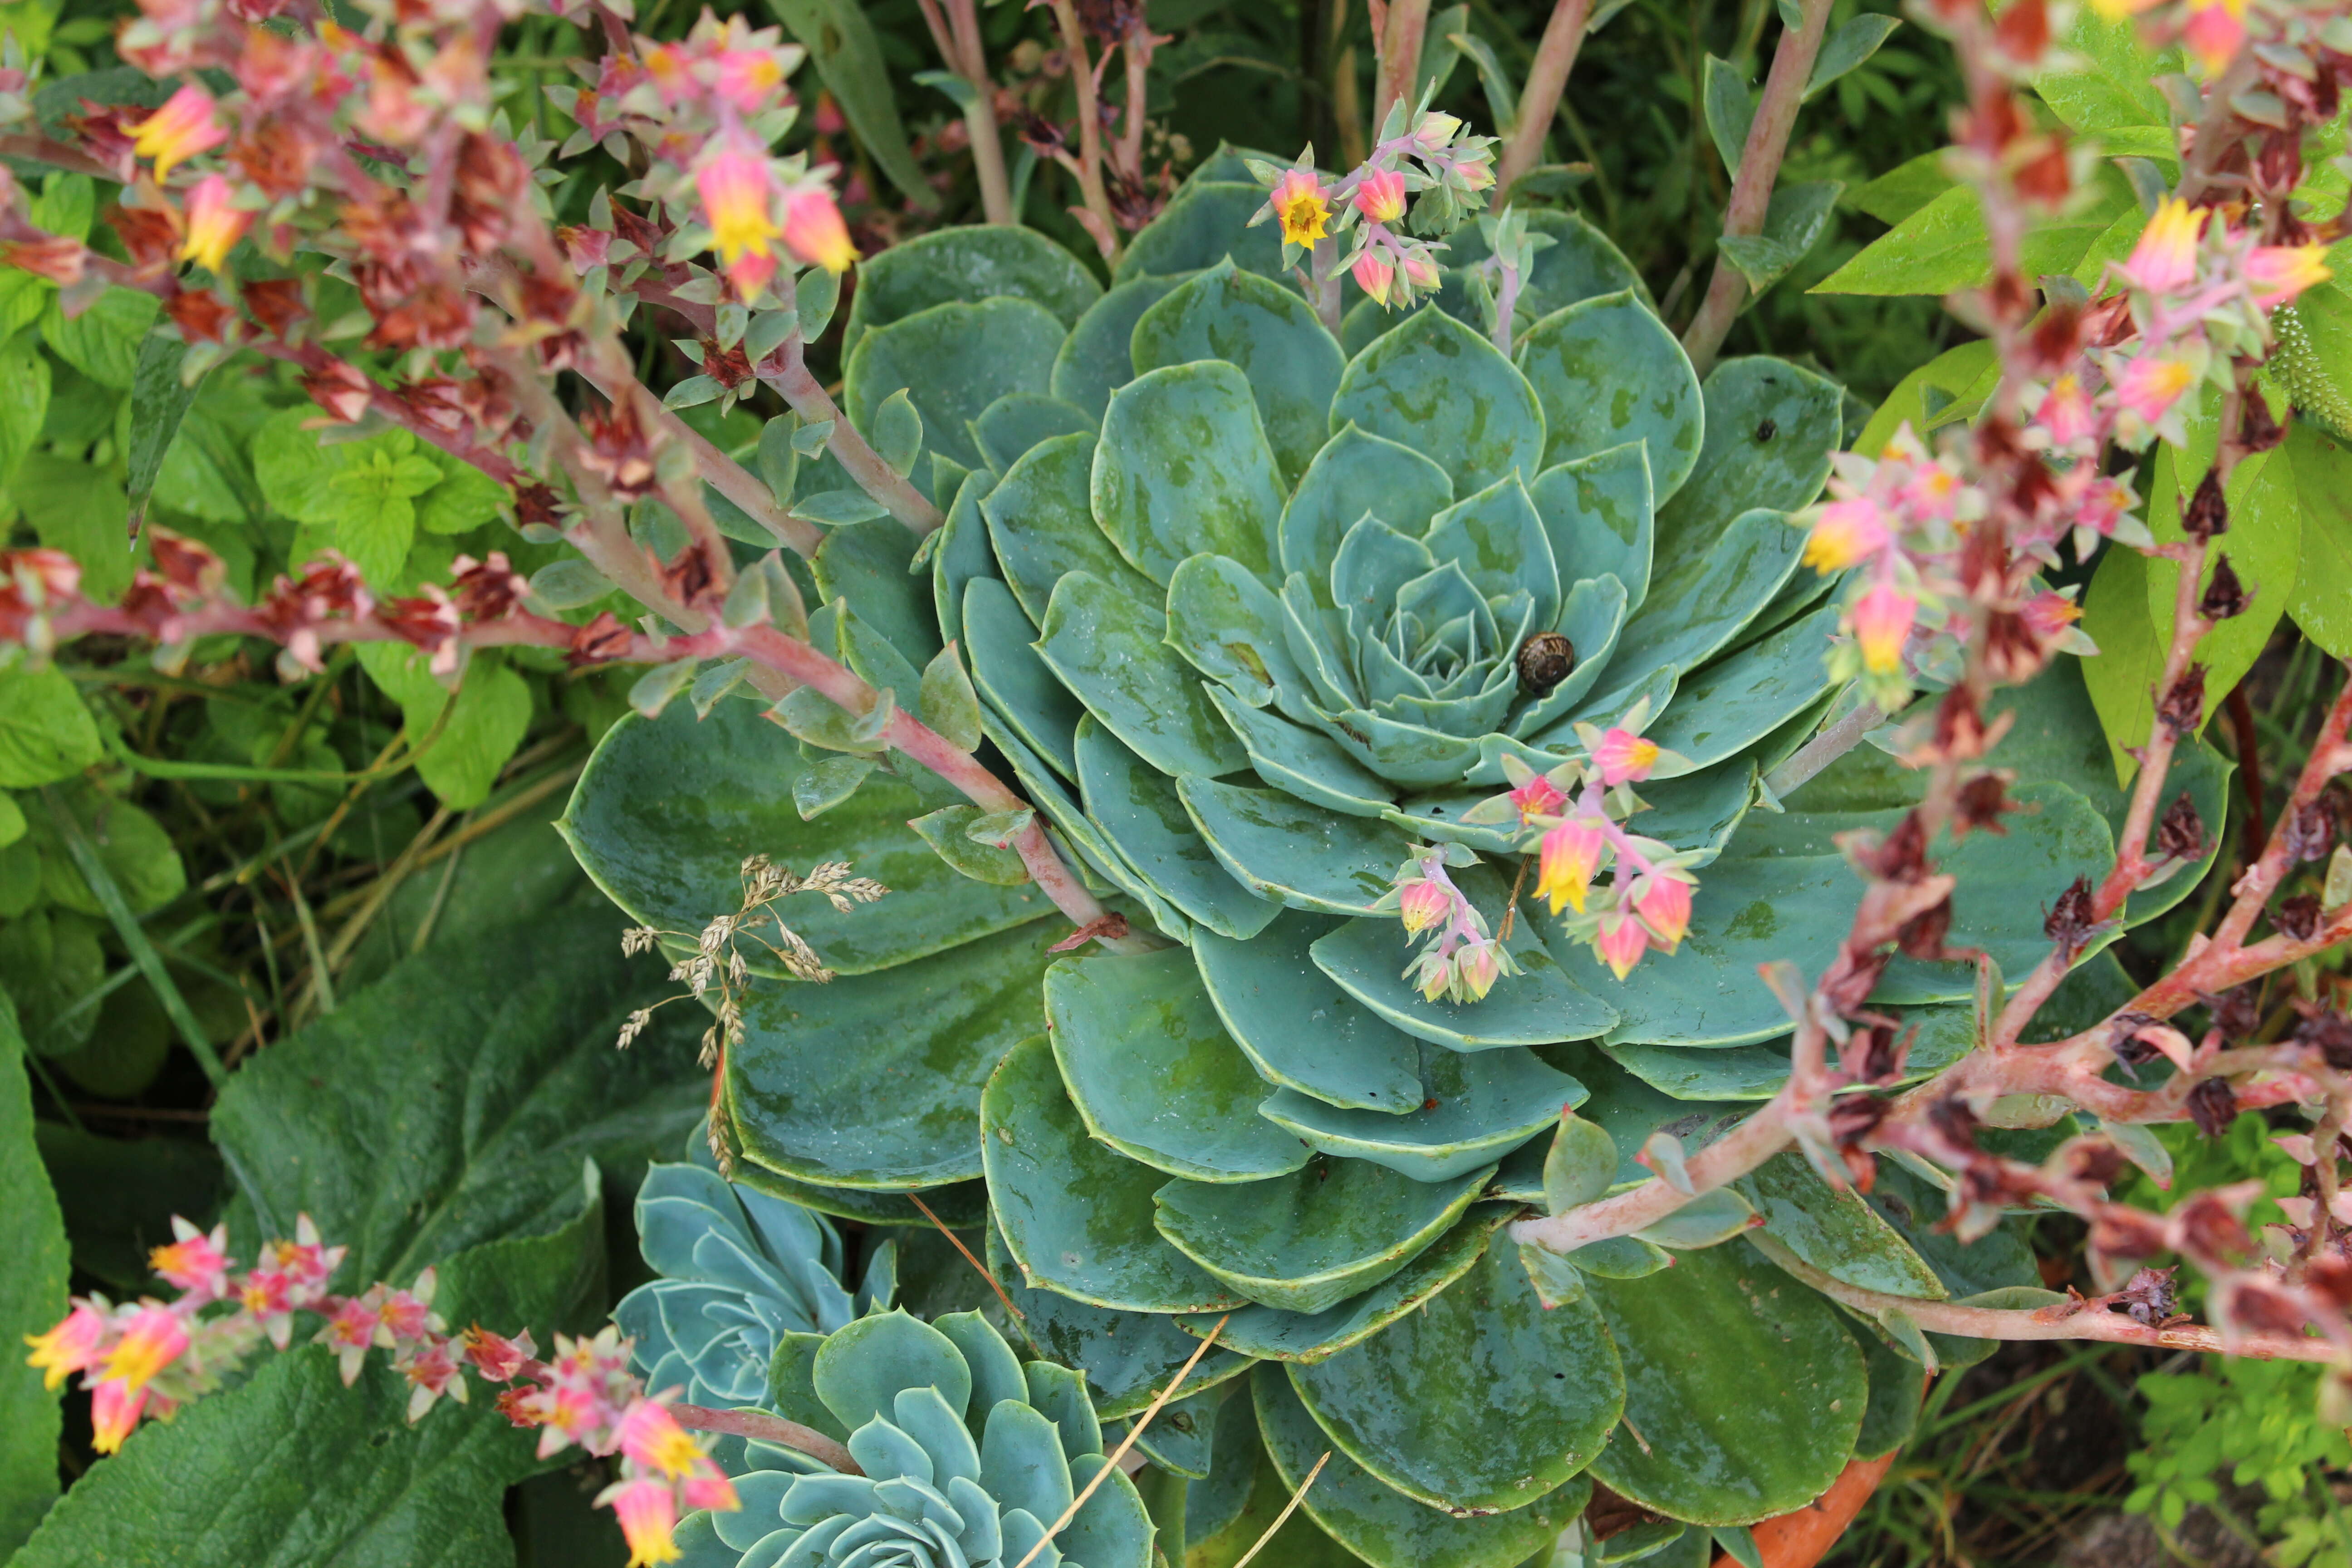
(1624, 757)
(151, 1340)
(114, 1411)
(814, 233)
(1423, 905)
(1569, 853)
(1621, 943)
(1380, 198)
(70, 1347)
(1373, 276)
(1538, 796)
(2165, 260)
(648, 1516)
(1665, 902)
(1846, 532)
(1882, 621)
(1475, 969)
(183, 128)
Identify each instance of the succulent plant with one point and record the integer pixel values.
(1256, 614)
(969, 1459)
(736, 1270)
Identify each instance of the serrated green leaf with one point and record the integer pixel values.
(45, 733)
(24, 400)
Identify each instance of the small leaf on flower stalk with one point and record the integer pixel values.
(810, 439)
(1664, 1153)
(947, 703)
(1706, 1220)
(1904, 1330)
(999, 829)
(657, 686)
(1622, 1257)
(950, 831)
(1738, 1541)
(809, 715)
(693, 392)
(828, 782)
(838, 508)
(1580, 1165)
(2338, 885)
(898, 432)
(568, 584)
(2142, 1148)
(816, 292)
(1557, 1282)
(867, 729)
(747, 602)
(732, 321)
(779, 458)
(715, 683)
(767, 333)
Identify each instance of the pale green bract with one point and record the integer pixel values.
(1241, 604)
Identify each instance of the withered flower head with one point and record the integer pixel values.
(2183, 707)
(600, 641)
(2212, 1106)
(2073, 920)
(2225, 597)
(2180, 832)
(2208, 511)
(2309, 832)
(1981, 804)
(2298, 917)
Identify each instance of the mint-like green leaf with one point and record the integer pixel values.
(45, 733)
(24, 400)
(463, 500)
(102, 343)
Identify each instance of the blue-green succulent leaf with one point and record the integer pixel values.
(1016, 424)
(971, 263)
(1151, 1069)
(952, 361)
(800, 1083)
(861, 1368)
(667, 809)
(1498, 540)
(882, 1449)
(1006, 671)
(963, 551)
(1700, 603)
(1580, 263)
(1109, 649)
(1138, 809)
(1271, 332)
(922, 1414)
(1727, 707)
(1044, 789)
(1302, 762)
(1114, 1529)
(1540, 1405)
(1598, 511)
(865, 562)
(1043, 526)
(1061, 1393)
(1301, 1031)
(1487, 1103)
(1126, 1358)
(1770, 428)
(1184, 468)
(1306, 1241)
(1592, 620)
(1836, 1230)
(1095, 361)
(1723, 1319)
(995, 1371)
(1376, 559)
(1608, 372)
(1231, 626)
(1212, 1505)
(1181, 1439)
(1444, 390)
(1538, 1006)
(1208, 221)
(1021, 1464)
(1075, 1215)
(1354, 474)
(1278, 1335)
(1284, 849)
(1384, 1525)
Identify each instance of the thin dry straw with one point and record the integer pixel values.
(1286, 1508)
(1125, 1443)
(957, 1242)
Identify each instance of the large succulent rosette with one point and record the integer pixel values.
(1244, 606)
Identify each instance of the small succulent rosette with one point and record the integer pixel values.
(969, 1457)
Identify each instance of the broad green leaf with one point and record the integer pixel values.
(1151, 1069)
(1943, 246)
(45, 733)
(1770, 427)
(1399, 1406)
(1269, 330)
(953, 359)
(802, 1083)
(849, 56)
(451, 1103)
(669, 809)
(32, 1300)
(1730, 107)
(1950, 373)
(1581, 1165)
(461, 500)
(2110, 84)
(1435, 385)
(1386, 1526)
(2122, 679)
(1724, 1318)
(969, 265)
(2263, 545)
(868, 563)
(1849, 45)
(134, 848)
(80, 509)
(2322, 602)
(1607, 371)
(1075, 1217)
(1306, 1241)
(1019, 421)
